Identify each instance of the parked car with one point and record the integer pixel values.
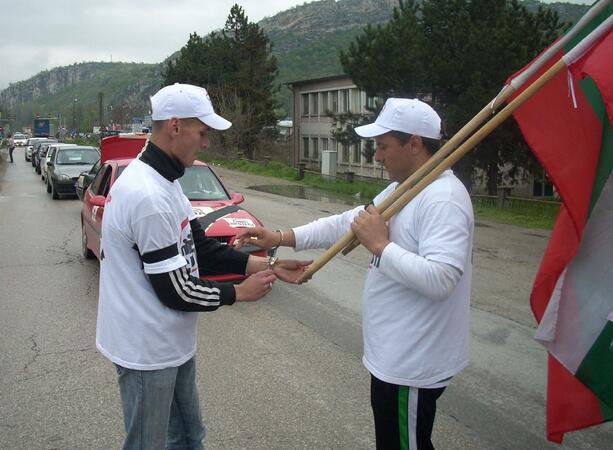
(65, 165)
(20, 139)
(39, 151)
(49, 152)
(30, 147)
(216, 208)
(85, 179)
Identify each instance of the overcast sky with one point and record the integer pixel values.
(39, 35)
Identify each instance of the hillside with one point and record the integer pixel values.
(306, 40)
(126, 88)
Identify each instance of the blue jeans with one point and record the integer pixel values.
(161, 408)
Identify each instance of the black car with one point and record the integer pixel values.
(65, 165)
(36, 152)
(86, 178)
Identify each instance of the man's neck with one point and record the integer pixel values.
(162, 162)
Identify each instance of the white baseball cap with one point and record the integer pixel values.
(186, 101)
(407, 115)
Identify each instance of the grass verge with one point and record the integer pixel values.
(517, 211)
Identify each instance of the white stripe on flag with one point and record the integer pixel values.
(581, 302)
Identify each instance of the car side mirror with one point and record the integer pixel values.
(98, 200)
(237, 198)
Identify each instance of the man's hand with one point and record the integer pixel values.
(258, 236)
(372, 231)
(255, 286)
(289, 270)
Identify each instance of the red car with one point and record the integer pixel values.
(215, 207)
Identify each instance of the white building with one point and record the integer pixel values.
(312, 99)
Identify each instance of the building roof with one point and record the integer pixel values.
(317, 80)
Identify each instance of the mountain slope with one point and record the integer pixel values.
(306, 41)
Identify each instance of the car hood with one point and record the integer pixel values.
(72, 171)
(223, 218)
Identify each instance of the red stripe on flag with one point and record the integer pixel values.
(575, 409)
(565, 140)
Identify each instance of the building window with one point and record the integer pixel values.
(324, 103)
(369, 150)
(314, 105)
(334, 99)
(345, 93)
(305, 104)
(315, 148)
(370, 102)
(355, 148)
(305, 148)
(345, 153)
(333, 145)
(356, 100)
(324, 144)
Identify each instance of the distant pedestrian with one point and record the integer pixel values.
(11, 147)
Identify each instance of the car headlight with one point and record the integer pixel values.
(63, 176)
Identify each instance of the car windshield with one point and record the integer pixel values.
(74, 156)
(200, 183)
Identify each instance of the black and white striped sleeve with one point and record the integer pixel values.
(179, 290)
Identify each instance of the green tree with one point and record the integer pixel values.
(456, 54)
(237, 67)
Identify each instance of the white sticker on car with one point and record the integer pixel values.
(201, 211)
(239, 223)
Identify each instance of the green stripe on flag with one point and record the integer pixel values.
(403, 420)
(589, 27)
(596, 370)
(605, 163)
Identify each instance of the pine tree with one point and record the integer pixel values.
(236, 66)
(456, 55)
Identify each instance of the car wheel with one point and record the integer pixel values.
(87, 253)
(54, 194)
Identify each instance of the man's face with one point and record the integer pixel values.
(396, 158)
(192, 137)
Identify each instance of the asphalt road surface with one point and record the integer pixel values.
(282, 373)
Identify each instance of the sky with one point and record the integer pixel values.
(39, 35)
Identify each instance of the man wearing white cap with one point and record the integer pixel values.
(417, 292)
(151, 250)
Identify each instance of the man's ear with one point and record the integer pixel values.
(172, 126)
(415, 144)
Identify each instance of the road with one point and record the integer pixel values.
(282, 373)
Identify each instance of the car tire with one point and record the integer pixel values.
(87, 253)
(54, 194)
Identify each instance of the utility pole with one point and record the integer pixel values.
(100, 109)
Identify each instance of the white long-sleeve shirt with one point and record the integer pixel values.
(417, 294)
